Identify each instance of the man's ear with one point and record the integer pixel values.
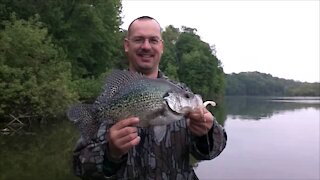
(162, 44)
(126, 45)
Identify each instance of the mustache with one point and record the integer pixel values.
(145, 52)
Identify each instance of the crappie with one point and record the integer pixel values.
(157, 103)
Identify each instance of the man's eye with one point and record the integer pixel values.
(154, 41)
(138, 40)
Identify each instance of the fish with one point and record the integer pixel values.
(156, 102)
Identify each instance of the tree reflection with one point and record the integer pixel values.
(44, 154)
(263, 107)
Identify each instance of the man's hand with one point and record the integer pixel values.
(122, 137)
(200, 121)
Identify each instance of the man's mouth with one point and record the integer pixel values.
(145, 55)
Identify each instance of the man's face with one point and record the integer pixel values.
(144, 46)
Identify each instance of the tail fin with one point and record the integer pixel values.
(84, 117)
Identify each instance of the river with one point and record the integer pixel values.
(268, 138)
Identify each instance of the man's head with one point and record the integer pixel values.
(143, 46)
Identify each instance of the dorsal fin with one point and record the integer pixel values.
(118, 79)
(115, 81)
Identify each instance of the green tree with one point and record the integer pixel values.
(169, 63)
(261, 84)
(34, 73)
(87, 30)
(199, 68)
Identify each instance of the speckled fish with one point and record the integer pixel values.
(157, 102)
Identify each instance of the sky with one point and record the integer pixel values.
(277, 37)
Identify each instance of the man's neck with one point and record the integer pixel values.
(152, 74)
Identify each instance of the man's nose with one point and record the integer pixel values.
(146, 44)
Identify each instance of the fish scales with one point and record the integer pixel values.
(143, 99)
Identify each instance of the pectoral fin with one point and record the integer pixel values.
(159, 133)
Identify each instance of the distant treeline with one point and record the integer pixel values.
(55, 53)
(261, 84)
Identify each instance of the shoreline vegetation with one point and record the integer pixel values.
(262, 84)
(57, 53)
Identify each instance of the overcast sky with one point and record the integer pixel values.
(276, 37)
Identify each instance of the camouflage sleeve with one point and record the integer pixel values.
(211, 145)
(90, 160)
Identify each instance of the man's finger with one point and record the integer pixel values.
(198, 124)
(130, 144)
(197, 130)
(199, 113)
(127, 138)
(125, 131)
(196, 116)
(127, 122)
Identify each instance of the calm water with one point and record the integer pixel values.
(271, 139)
(274, 139)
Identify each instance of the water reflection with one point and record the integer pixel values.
(43, 154)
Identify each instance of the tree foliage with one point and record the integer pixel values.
(261, 84)
(55, 52)
(34, 73)
(190, 60)
(87, 30)
(169, 63)
(198, 66)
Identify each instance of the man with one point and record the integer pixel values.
(124, 151)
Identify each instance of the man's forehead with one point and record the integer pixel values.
(147, 27)
(145, 21)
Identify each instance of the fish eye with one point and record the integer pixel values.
(166, 95)
(187, 95)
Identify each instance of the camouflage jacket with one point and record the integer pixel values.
(172, 158)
